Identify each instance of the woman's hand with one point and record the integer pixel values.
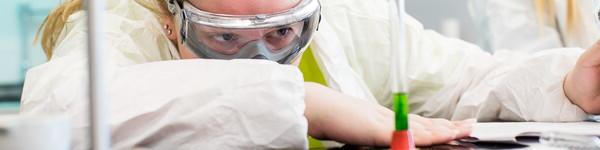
(582, 84)
(427, 131)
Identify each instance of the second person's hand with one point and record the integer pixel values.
(582, 84)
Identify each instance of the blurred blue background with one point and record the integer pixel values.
(22, 19)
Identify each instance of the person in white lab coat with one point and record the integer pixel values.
(534, 25)
(212, 104)
(447, 78)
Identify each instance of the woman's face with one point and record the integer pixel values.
(235, 7)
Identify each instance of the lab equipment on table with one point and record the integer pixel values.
(401, 138)
(594, 118)
(570, 141)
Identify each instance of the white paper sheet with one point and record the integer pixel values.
(508, 131)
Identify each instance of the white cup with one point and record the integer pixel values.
(24, 132)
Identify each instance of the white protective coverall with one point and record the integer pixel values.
(208, 104)
(514, 25)
(181, 104)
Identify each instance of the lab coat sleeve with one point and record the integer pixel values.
(208, 105)
(514, 26)
(454, 79)
(182, 104)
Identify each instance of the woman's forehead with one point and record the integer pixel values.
(244, 7)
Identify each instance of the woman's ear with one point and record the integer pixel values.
(169, 27)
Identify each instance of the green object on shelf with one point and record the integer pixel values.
(401, 111)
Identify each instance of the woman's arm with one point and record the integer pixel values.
(332, 115)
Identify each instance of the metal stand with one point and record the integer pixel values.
(100, 133)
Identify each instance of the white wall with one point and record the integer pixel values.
(432, 13)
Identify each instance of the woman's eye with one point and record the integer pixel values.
(225, 37)
(283, 32)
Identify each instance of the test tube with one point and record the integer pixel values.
(401, 138)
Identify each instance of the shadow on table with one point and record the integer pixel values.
(457, 146)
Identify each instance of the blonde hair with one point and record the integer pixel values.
(546, 15)
(53, 25)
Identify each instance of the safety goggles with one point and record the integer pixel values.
(279, 37)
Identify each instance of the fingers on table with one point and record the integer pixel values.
(436, 131)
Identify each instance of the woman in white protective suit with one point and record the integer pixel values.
(155, 104)
(211, 103)
(534, 25)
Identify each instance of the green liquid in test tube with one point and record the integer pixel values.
(401, 111)
(401, 138)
